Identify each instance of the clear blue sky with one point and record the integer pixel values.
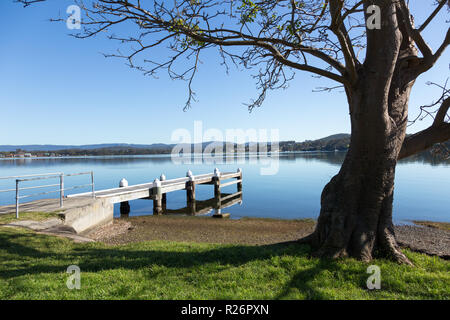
(55, 89)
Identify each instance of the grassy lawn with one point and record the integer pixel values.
(36, 216)
(34, 267)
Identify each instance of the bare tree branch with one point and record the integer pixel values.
(424, 140)
(429, 59)
(432, 15)
(341, 32)
(438, 132)
(274, 37)
(26, 3)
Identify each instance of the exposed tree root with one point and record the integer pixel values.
(388, 249)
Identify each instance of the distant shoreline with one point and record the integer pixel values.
(167, 154)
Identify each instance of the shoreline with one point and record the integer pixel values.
(249, 231)
(433, 224)
(442, 225)
(169, 154)
(431, 238)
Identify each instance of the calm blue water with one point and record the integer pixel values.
(422, 187)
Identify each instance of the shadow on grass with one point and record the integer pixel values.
(303, 280)
(39, 254)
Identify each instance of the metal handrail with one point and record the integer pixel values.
(32, 175)
(35, 177)
(37, 194)
(77, 174)
(44, 186)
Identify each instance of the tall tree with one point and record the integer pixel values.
(371, 48)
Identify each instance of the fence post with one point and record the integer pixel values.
(61, 190)
(157, 197)
(124, 206)
(92, 181)
(190, 193)
(216, 180)
(17, 199)
(239, 185)
(190, 187)
(164, 195)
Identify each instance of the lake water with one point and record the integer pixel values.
(422, 186)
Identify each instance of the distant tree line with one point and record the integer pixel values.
(316, 145)
(341, 143)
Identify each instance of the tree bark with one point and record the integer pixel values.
(356, 205)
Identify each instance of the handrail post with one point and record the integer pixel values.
(157, 197)
(17, 198)
(216, 180)
(164, 195)
(125, 205)
(61, 190)
(239, 185)
(92, 181)
(190, 193)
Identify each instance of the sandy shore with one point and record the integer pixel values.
(251, 231)
(203, 229)
(429, 240)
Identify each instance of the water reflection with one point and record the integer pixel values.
(335, 158)
(204, 207)
(421, 182)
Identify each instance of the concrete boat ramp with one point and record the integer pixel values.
(84, 211)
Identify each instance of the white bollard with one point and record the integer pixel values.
(123, 183)
(190, 188)
(190, 175)
(157, 197)
(164, 196)
(124, 206)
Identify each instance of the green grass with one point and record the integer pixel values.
(36, 216)
(432, 224)
(34, 266)
(306, 220)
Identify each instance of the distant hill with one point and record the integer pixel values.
(330, 143)
(337, 136)
(335, 142)
(339, 142)
(50, 147)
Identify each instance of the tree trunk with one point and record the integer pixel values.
(356, 205)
